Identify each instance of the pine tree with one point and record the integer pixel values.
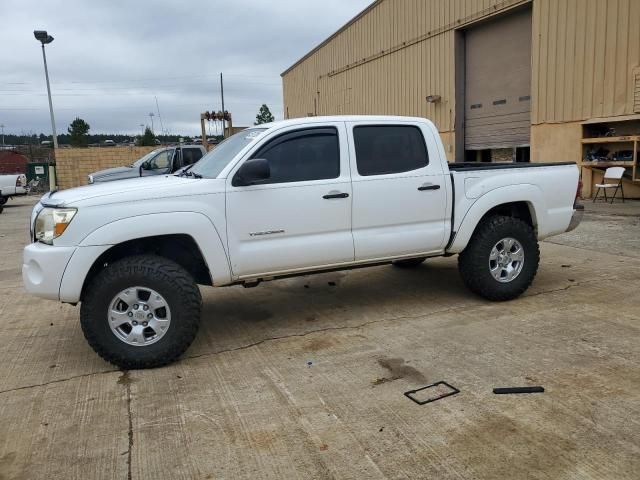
(148, 139)
(264, 115)
(78, 130)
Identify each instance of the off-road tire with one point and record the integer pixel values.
(164, 276)
(473, 262)
(409, 262)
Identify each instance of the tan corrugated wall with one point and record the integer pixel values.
(584, 52)
(402, 51)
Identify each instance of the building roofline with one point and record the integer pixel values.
(333, 35)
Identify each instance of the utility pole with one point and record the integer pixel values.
(222, 95)
(44, 38)
(151, 117)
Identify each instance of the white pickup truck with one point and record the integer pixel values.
(13, 185)
(288, 198)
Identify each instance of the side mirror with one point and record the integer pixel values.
(252, 172)
(144, 166)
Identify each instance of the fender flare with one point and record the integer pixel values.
(196, 225)
(531, 194)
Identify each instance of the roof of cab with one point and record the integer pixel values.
(343, 118)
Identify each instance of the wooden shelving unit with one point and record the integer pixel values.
(632, 141)
(623, 139)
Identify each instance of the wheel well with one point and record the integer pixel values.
(181, 248)
(520, 210)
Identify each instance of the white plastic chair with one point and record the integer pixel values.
(611, 173)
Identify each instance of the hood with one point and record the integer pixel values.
(117, 173)
(133, 190)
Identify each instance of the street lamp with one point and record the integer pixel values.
(142, 127)
(43, 37)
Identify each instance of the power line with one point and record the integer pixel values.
(111, 82)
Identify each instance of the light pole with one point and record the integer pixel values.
(2, 127)
(151, 117)
(43, 37)
(142, 127)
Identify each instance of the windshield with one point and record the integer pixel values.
(214, 162)
(148, 156)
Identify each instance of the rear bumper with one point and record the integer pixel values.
(576, 218)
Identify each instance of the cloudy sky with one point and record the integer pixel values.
(111, 59)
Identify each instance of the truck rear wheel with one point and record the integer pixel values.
(141, 312)
(3, 200)
(501, 259)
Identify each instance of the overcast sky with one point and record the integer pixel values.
(110, 59)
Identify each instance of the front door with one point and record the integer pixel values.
(399, 196)
(301, 217)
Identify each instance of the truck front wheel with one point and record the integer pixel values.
(501, 259)
(141, 312)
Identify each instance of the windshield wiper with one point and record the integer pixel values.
(188, 173)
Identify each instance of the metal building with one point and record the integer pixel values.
(521, 80)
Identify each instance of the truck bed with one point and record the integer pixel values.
(474, 166)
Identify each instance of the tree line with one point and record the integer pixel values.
(94, 138)
(78, 134)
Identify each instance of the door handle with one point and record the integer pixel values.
(428, 186)
(335, 195)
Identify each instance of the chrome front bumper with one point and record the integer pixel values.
(576, 218)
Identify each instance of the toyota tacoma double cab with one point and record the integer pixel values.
(288, 198)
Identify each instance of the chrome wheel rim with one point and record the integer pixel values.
(506, 260)
(139, 316)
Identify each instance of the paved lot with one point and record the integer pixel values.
(246, 403)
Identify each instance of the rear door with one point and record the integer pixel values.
(399, 194)
(301, 217)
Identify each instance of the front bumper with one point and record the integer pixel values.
(576, 218)
(43, 267)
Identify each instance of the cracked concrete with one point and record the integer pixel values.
(304, 378)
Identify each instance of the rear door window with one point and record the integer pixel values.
(386, 149)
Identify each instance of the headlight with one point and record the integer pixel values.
(52, 222)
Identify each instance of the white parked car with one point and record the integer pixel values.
(290, 198)
(13, 185)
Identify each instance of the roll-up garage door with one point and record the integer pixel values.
(498, 83)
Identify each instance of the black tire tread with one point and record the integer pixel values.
(163, 269)
(472, 265)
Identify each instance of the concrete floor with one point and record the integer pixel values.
(305, 379)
